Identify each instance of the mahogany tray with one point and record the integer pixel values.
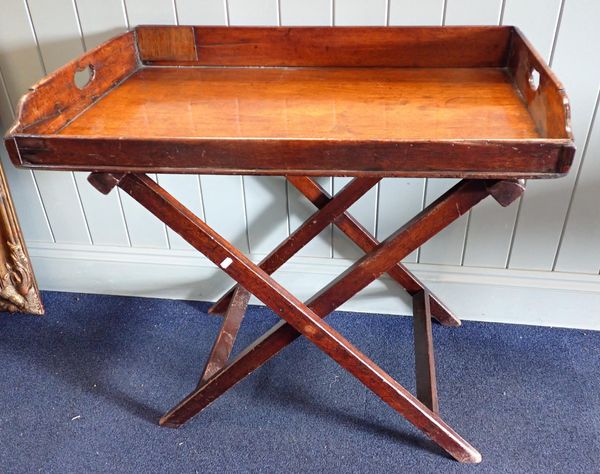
(461, 102)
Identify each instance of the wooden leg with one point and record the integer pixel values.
(305, 319)
(328, 210)
(424, 359)
(221, 350)
(361, 237)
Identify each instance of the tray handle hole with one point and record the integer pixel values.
(534, 79)
(84, 76)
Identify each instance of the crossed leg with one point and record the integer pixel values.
(361, 237)
(306, 319)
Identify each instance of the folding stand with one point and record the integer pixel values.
(306, 319)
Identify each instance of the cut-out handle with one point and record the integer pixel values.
(534, 79)
(84, 76)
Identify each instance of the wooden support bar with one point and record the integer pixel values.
(328, 210)
(507, 191)
(426, 224)
(424, 357)
(105, 182)
(298, 315)
(438, 215)
(221, 350)
(361, 237)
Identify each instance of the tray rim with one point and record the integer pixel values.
(18, 139)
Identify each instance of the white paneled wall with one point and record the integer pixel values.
(552, 233)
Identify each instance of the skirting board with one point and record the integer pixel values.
(480, 294)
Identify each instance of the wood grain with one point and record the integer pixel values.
(464, 119)
(351, 46)
(165, 42)
(308, 103)
(55, 100)
(305, 318)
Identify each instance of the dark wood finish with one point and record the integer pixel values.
(166, 43)
(464, 159)
(437, 215)
(432, 102)
(311, 103)
(221, 350)
(56, 100)
(508, 191)
(477, 119)
(105, 182)
(424, 357)
(18, 288)
(305, 318)
(547, 103)
(328, 211)
(346, 47)
(364, 240)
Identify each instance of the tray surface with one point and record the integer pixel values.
(314, 103)
(454, 102)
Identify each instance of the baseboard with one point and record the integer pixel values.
(481, 294)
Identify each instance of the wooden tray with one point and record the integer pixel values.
(409, 101)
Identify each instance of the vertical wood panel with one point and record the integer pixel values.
(580, 247)
(100, 24)
(145, 230)
(265, 196)
(26, 198)
(400, 199)
(544, 206)
(253, 12)
(306, 12)
(103, 214)
(473, 12)
(59, 42)
(222, 197)
(491, 226)
(224, 208)
(359, 12)
(266, 211)
(364, 210)
(301, 209)
(186, 189)
(447, 247)
(409, 12)
(348, 13)
(219, 199)
(150, 12)
(201, 12)
(537, 19)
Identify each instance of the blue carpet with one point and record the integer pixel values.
(82, 389)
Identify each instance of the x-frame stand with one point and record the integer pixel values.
(306, 319)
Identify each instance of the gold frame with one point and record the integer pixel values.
(18, 289)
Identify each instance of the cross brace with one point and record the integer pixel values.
(307, 318)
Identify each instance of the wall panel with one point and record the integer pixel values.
(400, 199)
(265, 196)
(448, 246)
(556, 226)
(104, 213)
(544, 207)
(306, 12)
(201, 12)
(409, 12)
(27, 201)
(491, 227)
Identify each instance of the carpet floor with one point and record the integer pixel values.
(82, 388)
